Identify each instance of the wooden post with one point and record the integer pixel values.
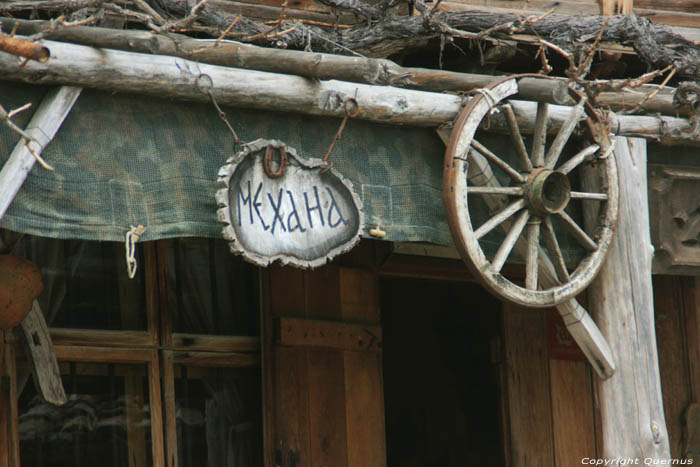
(621, 298)
(42, 128)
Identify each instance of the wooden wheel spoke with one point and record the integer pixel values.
(552, 245)
(563, 136)
(484, 151)
(496, 190)
(592, 196)
(531, 260)
(498, 219)
(577, 232)
(524, 199)
(509, 242)
(540, 137)
(517, 138)
(577, 159)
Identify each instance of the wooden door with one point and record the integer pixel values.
(322, 367)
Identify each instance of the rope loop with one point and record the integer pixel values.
(132, 236)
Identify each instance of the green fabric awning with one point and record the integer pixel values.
(125, 160)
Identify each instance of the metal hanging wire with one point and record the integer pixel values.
(352, 109)
(205, 85)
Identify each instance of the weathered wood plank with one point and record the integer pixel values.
(98, 337)
(364, 413)
(692, 328)
(212, 343)
(151, 276)
(165, 308)
(164, 76)
(285, 369)
(156, 406)
(359, 296)
(292, 425)
(40, 350)
(329, 334)
(135, 427)
(622, 300)
(669, 307)
(101, 354)
(43, 126)
(216, 359)
(527, 388)
(170, 409)
(572, 399)
(364, 390)
(327, 411)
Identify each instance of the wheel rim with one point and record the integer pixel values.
(540, 191)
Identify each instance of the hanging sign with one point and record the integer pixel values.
(277, 206)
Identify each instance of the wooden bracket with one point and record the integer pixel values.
(40, 350)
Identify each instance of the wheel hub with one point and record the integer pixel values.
(548, 191)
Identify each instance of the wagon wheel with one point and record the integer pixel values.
(538, 193)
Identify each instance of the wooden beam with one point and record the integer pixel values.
(183, 79)
(211, 343)
(42, 128)
(40, 350)
(621, 298)
(298, 332)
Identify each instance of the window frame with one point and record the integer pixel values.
(158, 347)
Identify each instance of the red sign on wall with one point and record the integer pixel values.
(562, 345)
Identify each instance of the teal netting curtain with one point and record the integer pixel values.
(124, 160)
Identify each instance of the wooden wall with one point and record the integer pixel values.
(677, 313)
(550, 411)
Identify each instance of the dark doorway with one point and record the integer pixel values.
(441, 389)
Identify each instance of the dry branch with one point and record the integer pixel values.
(390, 33)
(23, 48)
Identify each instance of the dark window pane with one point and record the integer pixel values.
(211, 290)
(86, 284)
(219, 416)
(105, 423)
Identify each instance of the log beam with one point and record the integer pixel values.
(621, 299)
(323, 66)
(178, 78)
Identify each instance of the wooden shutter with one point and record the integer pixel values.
(322, 368)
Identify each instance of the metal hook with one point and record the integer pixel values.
(268, 161)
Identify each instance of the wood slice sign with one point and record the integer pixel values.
(276, 206)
